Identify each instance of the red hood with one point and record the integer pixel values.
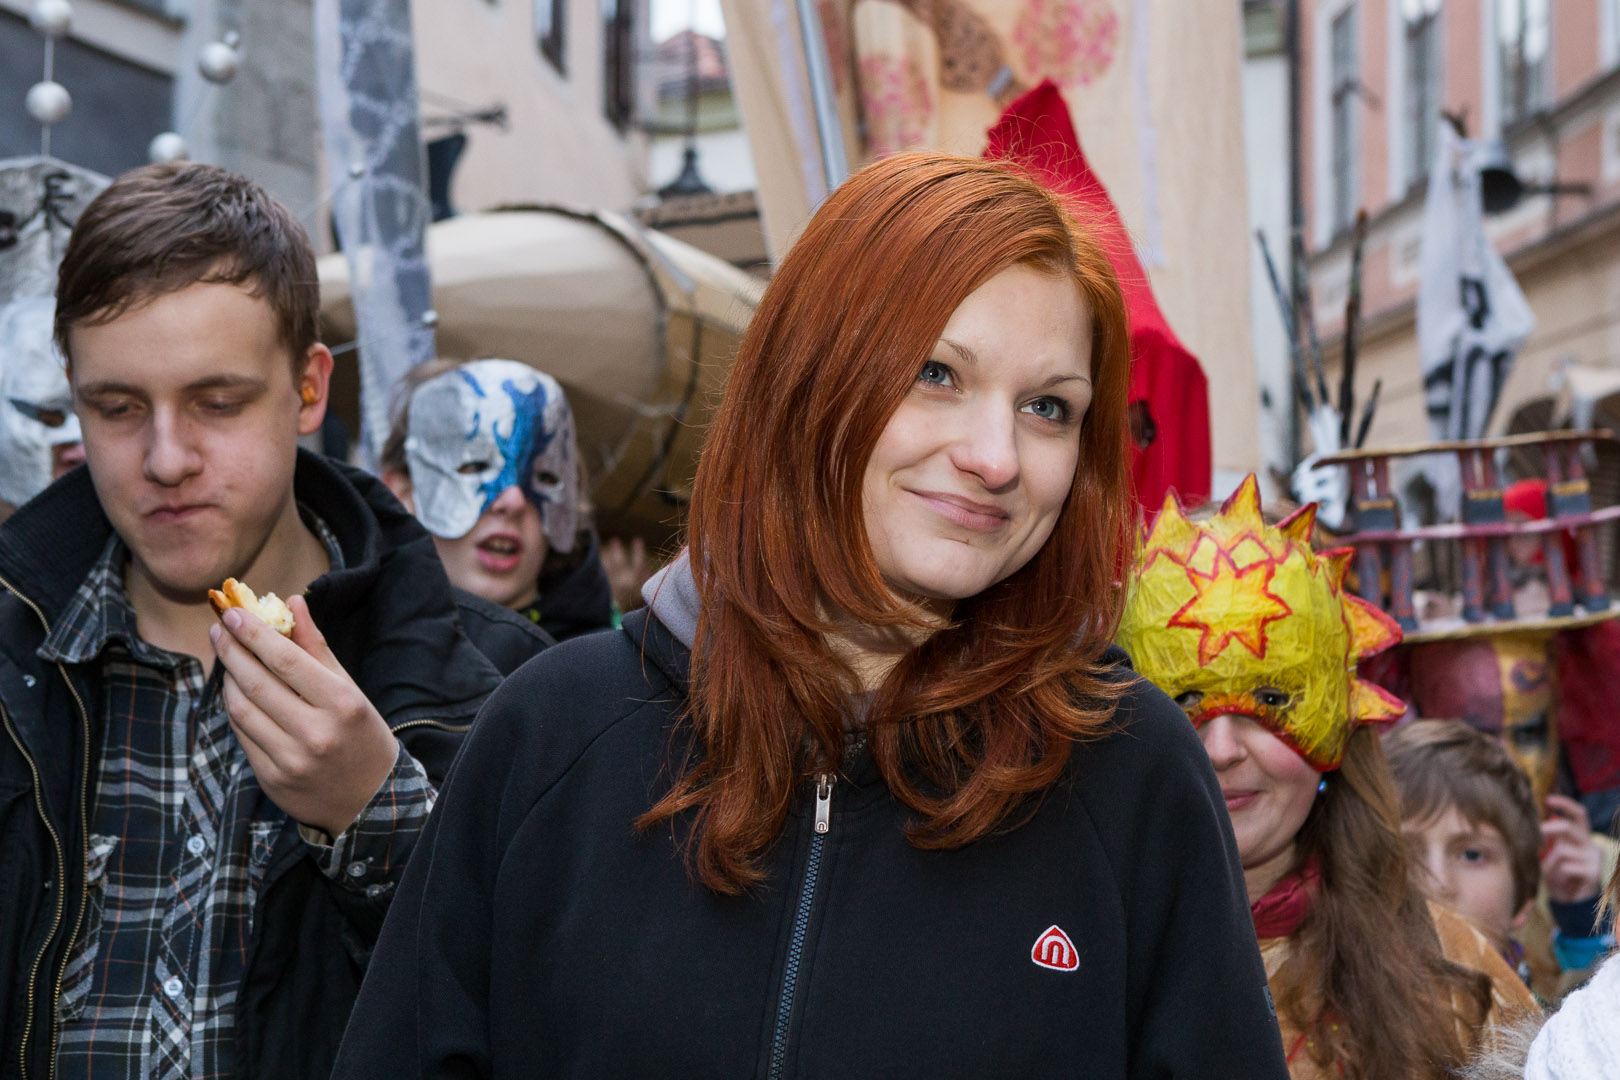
(1037, 132)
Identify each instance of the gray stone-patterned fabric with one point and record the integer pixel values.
(366, 75)
(28, 267)
(40, 199)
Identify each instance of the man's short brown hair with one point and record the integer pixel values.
(1444, 763)
(161, 228)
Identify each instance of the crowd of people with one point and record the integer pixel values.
(920, 757)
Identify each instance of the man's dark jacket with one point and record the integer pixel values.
(390, 618)
(575, 595)
(507, 640)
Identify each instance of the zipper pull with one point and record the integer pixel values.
(824, 783)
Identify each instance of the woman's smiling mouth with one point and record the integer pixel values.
(977, 516)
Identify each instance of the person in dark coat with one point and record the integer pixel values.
(865, 791)
(507, 638)
(483, 452)
(202, 821)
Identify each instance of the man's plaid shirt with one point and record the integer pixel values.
(180, 841)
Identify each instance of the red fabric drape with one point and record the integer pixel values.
(1168, 389)
(1284, 907)
(1588, 723)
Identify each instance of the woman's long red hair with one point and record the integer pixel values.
(980, 718)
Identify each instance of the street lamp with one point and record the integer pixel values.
(1501, 187)
(689, 181)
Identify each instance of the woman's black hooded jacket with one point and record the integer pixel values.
(537, 934)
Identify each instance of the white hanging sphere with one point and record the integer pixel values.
(52, 18)
(168, 146)
(49, 102)
(218, 62)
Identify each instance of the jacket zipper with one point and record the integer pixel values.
(61, 863)
(61, 894)
(801, 920)
(431, 723)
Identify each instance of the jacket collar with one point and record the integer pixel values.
(659, 647)
(49, 545)
(672, 597)
(389, 614)
(52, 542)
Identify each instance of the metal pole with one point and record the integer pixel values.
(834, 164)
(1296, 191)
(50, 76)
(691, 78)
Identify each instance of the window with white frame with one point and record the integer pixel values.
(618, 62)
(1346, 84)
(1422, 52)
(1523, 47)
(1611, 50)
(1609, 28)
(550, 29)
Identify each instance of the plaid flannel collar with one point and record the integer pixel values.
(100, 612)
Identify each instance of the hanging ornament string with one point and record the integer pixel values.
(218, 63)
(48, 101)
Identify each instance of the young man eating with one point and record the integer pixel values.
(202, 822)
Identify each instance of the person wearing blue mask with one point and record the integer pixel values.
(484, 454)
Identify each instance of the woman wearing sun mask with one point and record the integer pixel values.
(484, 454)
(1255, 637)
(866, 792)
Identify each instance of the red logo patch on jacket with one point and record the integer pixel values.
(1054, 950)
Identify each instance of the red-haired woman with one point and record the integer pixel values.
(866, 793)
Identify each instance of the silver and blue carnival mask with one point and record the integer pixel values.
(483, 427)
(36, 406)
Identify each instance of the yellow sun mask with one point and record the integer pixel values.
(1232, 615)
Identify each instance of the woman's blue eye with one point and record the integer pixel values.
(935, 372)
(1048, 408)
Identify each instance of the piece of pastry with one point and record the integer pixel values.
(268, 607)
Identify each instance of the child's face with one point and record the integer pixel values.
(1467, 867)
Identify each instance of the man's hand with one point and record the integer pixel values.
(1571, 863)
(318, 747)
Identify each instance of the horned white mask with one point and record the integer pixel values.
(36, 405)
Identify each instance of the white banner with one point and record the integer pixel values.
(1471, 315)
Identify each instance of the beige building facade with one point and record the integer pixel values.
(565, 74)
(1542, 76)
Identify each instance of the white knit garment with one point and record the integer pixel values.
(1582, 1039)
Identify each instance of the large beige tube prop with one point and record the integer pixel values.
(638, 327)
